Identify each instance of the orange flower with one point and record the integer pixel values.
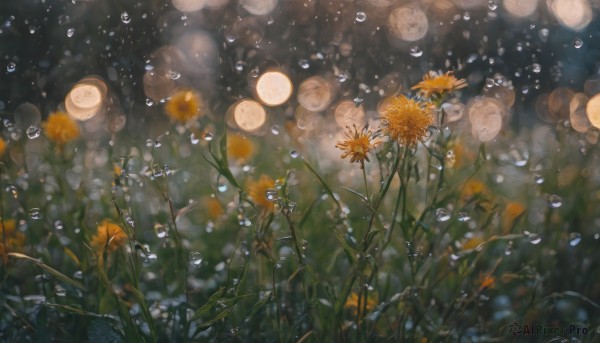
(357, 145)
(184, 105)
(213, 208)
(257, 190)
(239, 148)
(109, 237)
(352, 303)
(10, 239)
(472, 243)
(60, 128)
(434, 84)
(486, 281)
(406, 120)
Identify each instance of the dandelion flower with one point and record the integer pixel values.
(257, 190)
(2, 147)
(434, 84)
(109, 236)
(352, 303)
(184, 105)
(10, 239)
(406, 120)
(357, 145)
(239, 148)
(60, 128)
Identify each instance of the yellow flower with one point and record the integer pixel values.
(357, 145)
(434, 84)
(352, 303)
(239, 148)
(109, 236)
(60, 128)
(2, 147)
(184, 105)
(512, 211)
(10, 239)
(257, 190)
(406, 120)
(472, 243)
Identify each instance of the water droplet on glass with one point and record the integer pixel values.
(294, 154)
(361, 16)
(275, 129)
(58, 225)
(12, 66)
(149, 102)
(32, 29)
(60, 291)
(174, 75)
(536, 68)
(574, 238)
(442, 214)
(577, 43)
(554, 201)
(208, 136)
(196, 259)
(463, 217)
(70, 32)
(33, 132)
(125, 18)
(222, 187)
(160, 231)
(239, 65)
(35, 213)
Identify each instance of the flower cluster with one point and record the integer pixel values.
(61, 129)
(109, 237)
(184, 105)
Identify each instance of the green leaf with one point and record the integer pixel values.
(325, 186)
(49, 269)
(145, 312)
(108, 302)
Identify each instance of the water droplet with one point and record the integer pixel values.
(467, 16)
(193, 139)
(196, 259)
(361, 16)
(597, 236)
(12, 66)
(230, 38)
(222, 187)
(271, 194)
(149, 102)
(70, 32)
(58, 225)
(577, 43)
(32, 29)
(536, 68)
(442, 214)
(208, 136)
(304, 64)
(13, 191)
(492, 5)
(35, 213)
(533, 237)
(33, 132)
(279, 264)
(294, 154)
(125, 18)
(415, 51)
(60, 291)
(574, 238)
(463, 217)
(174, 75)
(239, 65)
(538, 178)
(275, 129)
(509, 248)
(150, 259)
(554, 201)
(160, 230)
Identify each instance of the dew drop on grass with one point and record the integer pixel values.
(78, 275)
(533, 237)
(294, 154)
(58, 225)
(208, 137)
(275, 129)
(222, 187)
(125, 18)
(149, 102)
(538, 178)
(33, 132)
(442, 214)
(271, 194)
(554, 201)
(415, 51)
(70, 32)
(463, 217)
(35, 213)
(150, 259)
(304, 64)
(509, 248)
(577, 43)
(574, 238)
(196, 259)
(13, 191)
(279, 264)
